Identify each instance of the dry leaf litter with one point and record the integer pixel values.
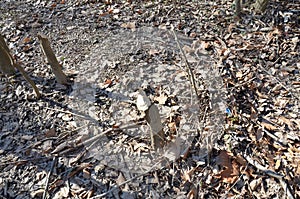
(255, 153)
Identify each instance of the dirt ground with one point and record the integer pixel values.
(247, 148)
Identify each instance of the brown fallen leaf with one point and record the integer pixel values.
(241, 160)
(230, 175)
(27, 40)
(255, 183)
(120, 180)
(231, 172)
(186, 175)
(129, 25)
(260, 95)
(172, 127)
(298, 168)
(281, 102)
(153, 51)
(108, 82)
(193, 193)
(223, 159)
(239, 74)
(50, 133)
(268, 126)
(284, 120)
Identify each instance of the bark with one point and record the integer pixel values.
(52, 60)
(27, 78)
(8, 65)
(6, 60)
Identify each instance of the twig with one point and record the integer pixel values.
(275, 138)
(95, 138)
(48, 176)
(75, 114)
(7, 61)
(27, 78)
(273, 174)
(109, 130)
(9, 162)
(189, 70)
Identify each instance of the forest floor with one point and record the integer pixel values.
(250, 148)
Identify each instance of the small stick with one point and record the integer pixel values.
(95, 138)
(6, 62)
(9, 162)
(189, 70)
(27, 78)
(274, 137)
(48, 176)
(75, 114)
(109, 130)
